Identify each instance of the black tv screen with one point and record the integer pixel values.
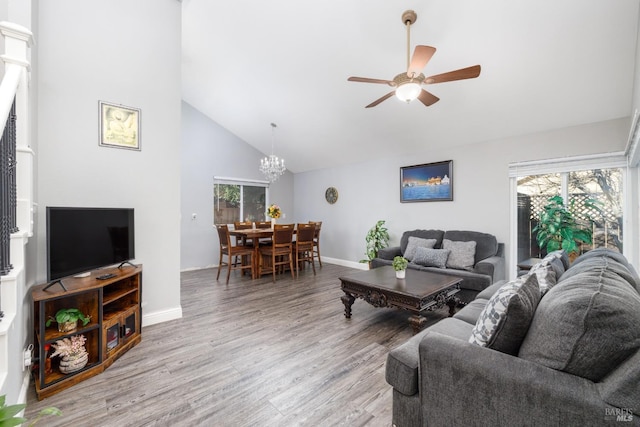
(83, 239)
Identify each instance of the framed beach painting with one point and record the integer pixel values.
(119, 126)
(431, 182)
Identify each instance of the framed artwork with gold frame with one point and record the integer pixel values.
(119, 126)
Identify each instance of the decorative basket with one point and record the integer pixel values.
(67, 326)
(73, 363)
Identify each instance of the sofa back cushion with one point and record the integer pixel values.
(630, 273)
(422, 234)
(486, 244)
(587, 324)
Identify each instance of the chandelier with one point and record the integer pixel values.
(271, 166)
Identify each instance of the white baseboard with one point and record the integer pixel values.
(346, 263)
(149, 319)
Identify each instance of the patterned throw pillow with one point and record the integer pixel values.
(462, 256)
(505, 319)
(545, 274)
(431, 257)
(417, 242)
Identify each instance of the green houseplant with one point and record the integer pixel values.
(559, 229)
(400, 266)
(67, 319)
(377, 238)
(9, 418)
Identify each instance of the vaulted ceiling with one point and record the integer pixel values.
(546, 64)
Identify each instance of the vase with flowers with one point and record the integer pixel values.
(274, 212)
(73, 353)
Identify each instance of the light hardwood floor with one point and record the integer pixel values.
(251, 353)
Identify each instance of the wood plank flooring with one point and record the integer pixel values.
(251, 353)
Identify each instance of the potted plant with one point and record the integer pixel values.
(400, 266)
(67, 319)
(377, 238)
(9, 413)
(558, 228)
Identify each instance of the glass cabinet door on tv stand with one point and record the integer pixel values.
(113, 306)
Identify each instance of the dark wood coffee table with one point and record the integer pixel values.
(418, 292)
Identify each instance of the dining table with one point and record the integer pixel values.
(255, 234)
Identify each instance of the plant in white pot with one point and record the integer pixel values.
(400, 266)
(377, 238)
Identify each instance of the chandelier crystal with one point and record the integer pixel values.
(272, 166)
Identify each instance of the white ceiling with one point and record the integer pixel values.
(546, 64)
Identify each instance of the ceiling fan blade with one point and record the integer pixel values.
(379, 100)
(461, 74)
(427, 98)
(421, 56)
(368, 80)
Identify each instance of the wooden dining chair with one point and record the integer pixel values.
(304, 246)
(316, 240)
(280, 252)
(242, 225)
(263, 224)
(232, 251)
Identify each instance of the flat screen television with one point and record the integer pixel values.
(82, 239)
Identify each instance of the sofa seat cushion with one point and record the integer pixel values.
(506, 317)
(587, 324)
(402, 362)
(414, 243)
(431, 257)
(471, 312)
(462, 254)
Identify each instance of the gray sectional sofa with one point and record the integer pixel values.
(565, 351)
(487, 265)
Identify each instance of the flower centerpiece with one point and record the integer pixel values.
(73, 353)
(274, 212)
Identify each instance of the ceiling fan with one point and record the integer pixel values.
(408, 84)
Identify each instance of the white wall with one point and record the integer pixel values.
(371, 191)
(209, 150)
(127, 53)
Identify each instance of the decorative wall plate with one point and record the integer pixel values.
(331, 195)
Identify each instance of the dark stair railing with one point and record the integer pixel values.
(8, 199)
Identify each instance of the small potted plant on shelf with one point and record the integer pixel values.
(73, 354)
(67, 319)
(377, 238)
(400, 266)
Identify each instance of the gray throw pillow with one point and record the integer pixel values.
(587, 324)
(462, 256)
(431, 257)
(504, 321)
(417, 242)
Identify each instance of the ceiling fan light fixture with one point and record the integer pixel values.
(409, 91)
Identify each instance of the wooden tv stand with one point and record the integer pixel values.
(114, 308)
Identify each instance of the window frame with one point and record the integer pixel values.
(240, 182)
(565, 165)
